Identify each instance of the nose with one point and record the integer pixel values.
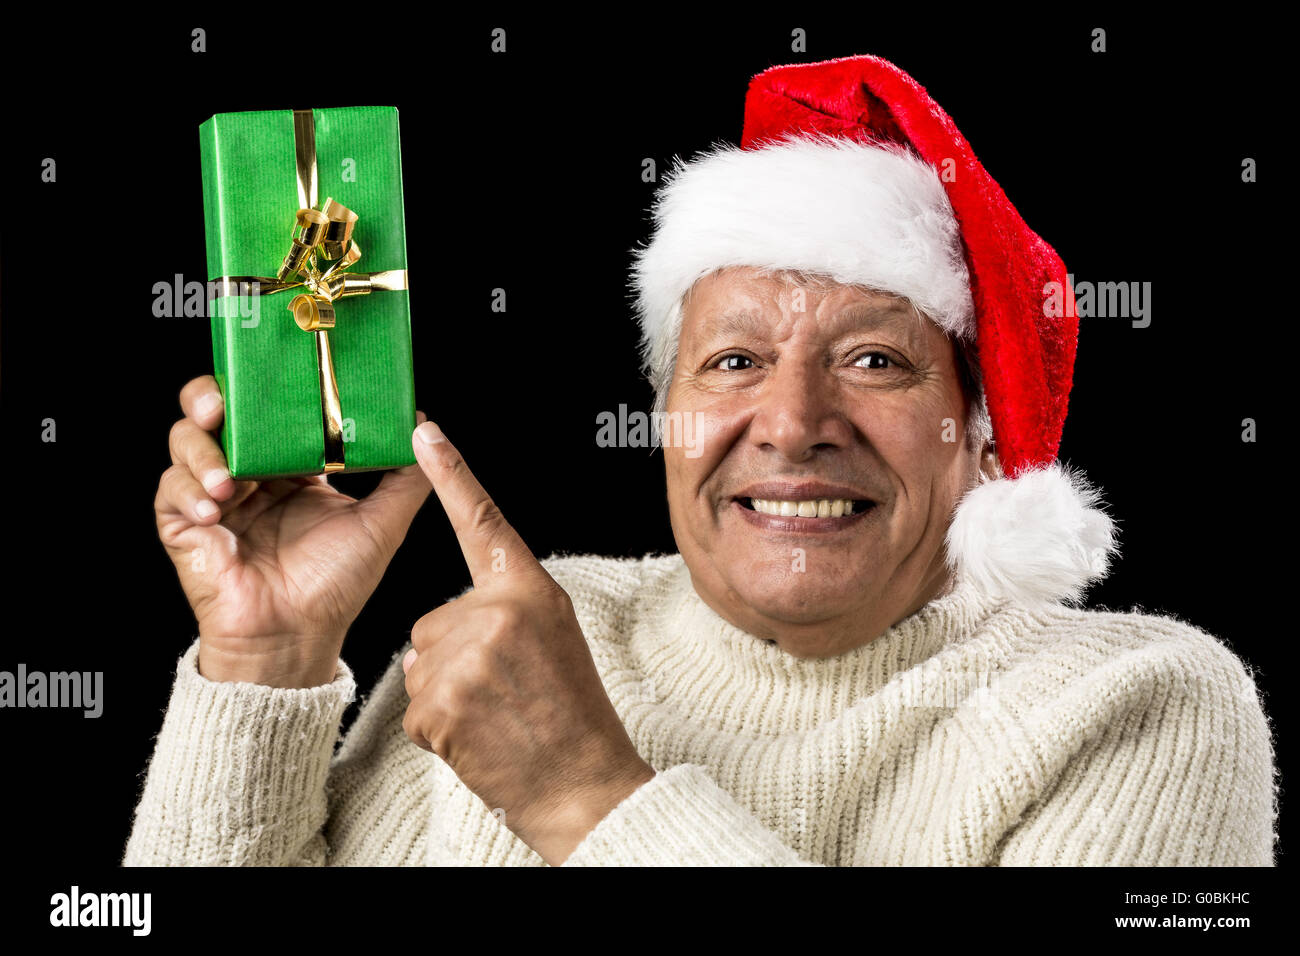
(799, 411)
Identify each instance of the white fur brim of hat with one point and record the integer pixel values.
(874, 215)
(857, 213)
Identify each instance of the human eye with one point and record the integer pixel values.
(876, 360)
(733, 363)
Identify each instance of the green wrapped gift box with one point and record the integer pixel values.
(259, 170)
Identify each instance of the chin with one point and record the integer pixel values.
(798, 597)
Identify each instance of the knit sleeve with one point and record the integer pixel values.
(1184, 774)
(680, 817)
(238, 773)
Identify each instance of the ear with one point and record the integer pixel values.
(1041, 537)
(989, 465)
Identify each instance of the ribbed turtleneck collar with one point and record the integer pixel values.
(699, 662)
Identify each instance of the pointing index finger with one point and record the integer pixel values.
(490, 545)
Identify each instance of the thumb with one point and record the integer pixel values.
(391, 507)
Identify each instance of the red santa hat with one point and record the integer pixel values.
(848, 169)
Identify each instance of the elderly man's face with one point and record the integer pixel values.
(845, 396)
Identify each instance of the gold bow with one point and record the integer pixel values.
(328, 232)
(319, 257)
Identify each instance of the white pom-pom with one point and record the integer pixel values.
(1038, 538)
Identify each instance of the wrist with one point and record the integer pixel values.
(284, 662)
(565, 827)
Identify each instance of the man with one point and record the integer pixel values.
(864, 652)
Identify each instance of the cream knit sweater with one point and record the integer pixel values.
(974, 732)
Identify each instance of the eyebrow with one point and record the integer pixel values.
(737, 322)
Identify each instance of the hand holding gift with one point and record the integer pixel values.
(311, 351)
(275, 571)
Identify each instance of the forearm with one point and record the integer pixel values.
(238, 773)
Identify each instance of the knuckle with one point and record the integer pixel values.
(486, 517)
(420, 634)
(455, 694)
(448, 460)
(378, 532)
(425, 631)
(160, 498)
(438, 744)
(172, 477)
(504, 619)
(411, 723)
(477, 663)
(176, 437)
(558, 597)
(426, 724)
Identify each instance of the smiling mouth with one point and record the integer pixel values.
(812, 508)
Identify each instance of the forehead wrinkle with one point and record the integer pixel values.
(895, 315)
(889, 314)
(737, 321)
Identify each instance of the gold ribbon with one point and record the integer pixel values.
(322, 251)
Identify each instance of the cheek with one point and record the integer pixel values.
(919, 440)
(686, 470)
(696, 441)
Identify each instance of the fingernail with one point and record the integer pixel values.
(214, 478)
(408, 660)
(205, 509)
(430, 433)
(208, 404)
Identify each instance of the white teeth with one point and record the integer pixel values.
(821, 508)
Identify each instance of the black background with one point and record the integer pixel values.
(522, 171)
